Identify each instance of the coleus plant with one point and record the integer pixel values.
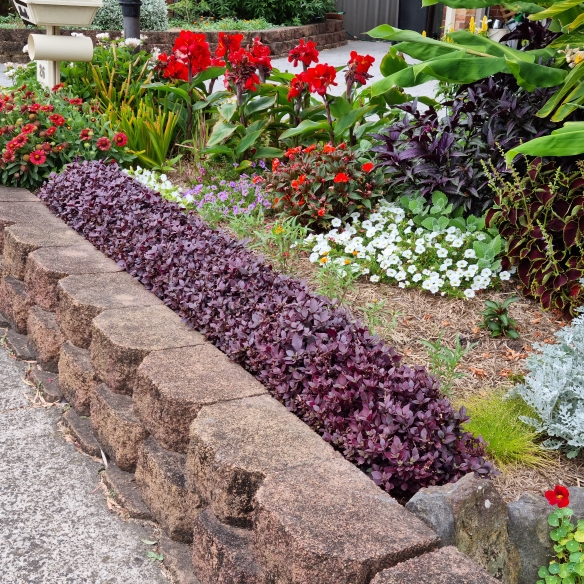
(390, 419)
(541, 217)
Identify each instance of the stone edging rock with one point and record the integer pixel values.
(218, 463)
(328, 34)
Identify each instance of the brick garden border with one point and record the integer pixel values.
(328, 34)
(219, 464)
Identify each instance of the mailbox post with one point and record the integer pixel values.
(131, 14)
(50, 49)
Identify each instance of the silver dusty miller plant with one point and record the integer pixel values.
(554, 389)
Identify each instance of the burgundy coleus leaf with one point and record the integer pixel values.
(555, 225)
(571, 231)
(559, 281)
(544, 194)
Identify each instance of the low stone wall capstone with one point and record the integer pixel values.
(328, 34)
(244, 491)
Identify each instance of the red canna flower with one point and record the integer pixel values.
(341, 178)
(306, 53)
(367, 167)
(560, 496)
(358, 68)
(242, 72)
(38, 157)
(29, 129)
(104, 143)
(261, 54)
(228, 43)
(57, 119)
(320, 78)
(193, 50)
(85, 134)
(298, 86)
(50, 131)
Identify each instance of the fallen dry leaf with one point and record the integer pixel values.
(478, 372)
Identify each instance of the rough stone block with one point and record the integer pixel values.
(122, 338)
(82, 433)
(234, 445)
(46, 266)
(173, 385)
(471, 515)
(47, 383)
(116, 426)
(444, 566)
(83, 297)
(19, 346)
(222, 553)
(24, 238)
(14, 195)
(529, 532)
(15, 303)
(124, 491)
(77, 377)
(20, 212)
(45, 336)
(178, 561)
(160, 475)
(330, 524)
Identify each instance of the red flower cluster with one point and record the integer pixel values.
(560, 496)
(191, 55)
(306, 53)
(358, 68)
(245, 68)
(315, 79)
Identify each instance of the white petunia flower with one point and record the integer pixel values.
(374, 278)
(486, 272)
(469, 293)
(461, 264)
(442, 253)
(336, 222)
(412, 269)
(470, 253)
(504, 276)
(457, 242)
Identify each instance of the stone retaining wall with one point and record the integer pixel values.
(244, 491)
(328, 34)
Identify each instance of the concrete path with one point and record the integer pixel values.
(4, 81)
(55, 527)
(340, 56)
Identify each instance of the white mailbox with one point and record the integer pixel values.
(48, 50)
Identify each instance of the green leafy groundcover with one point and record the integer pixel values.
(389, 419)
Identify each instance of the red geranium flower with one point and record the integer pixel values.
(275, 164)
(85, 134)
(120, 139)
(321, 212)
(104, 143)
(50, 131)
(320, 78)
(300, 181)
(560, 496)
(37, 157)
(29, 129)
(310, 148)
(368, 167)
(57, 119)
(292, 151)
(228, 43)
(328, 149)
(305, 53)
(342, 178)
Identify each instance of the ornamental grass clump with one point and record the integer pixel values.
(388, 418)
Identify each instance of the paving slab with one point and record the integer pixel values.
(54, 524)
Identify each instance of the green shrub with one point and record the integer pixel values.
(153, 16)
(276, 11)
(509, 440)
